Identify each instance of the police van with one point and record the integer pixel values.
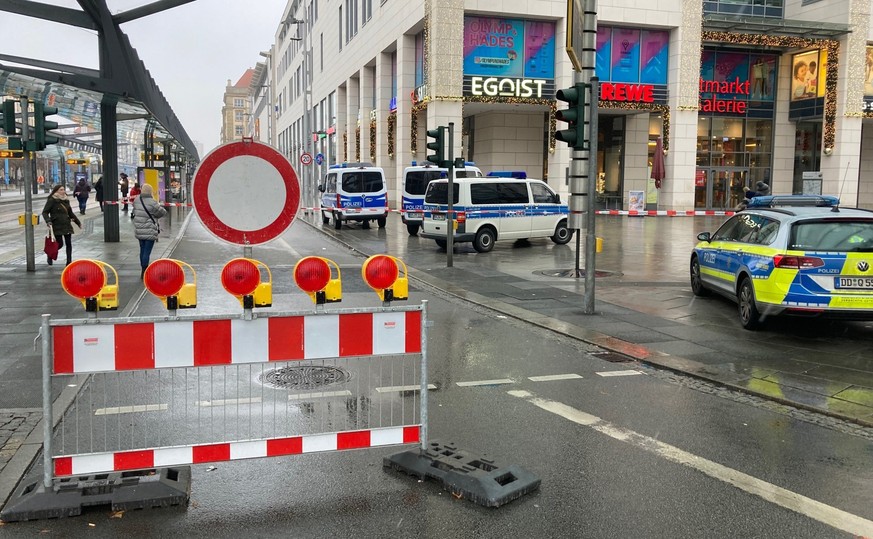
(354, 192)
(415, 180)
(491, 209)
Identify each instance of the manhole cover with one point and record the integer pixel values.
(613, 357)
(304, 377)
(572, 273)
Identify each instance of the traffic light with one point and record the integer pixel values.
(438, 145)
(574, 115)
(42, 137)
(8, 116)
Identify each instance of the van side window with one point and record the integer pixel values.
(331, 183)
(513, 193)
(362, 182)
(417, 180)
(498, 193)
(541, 194)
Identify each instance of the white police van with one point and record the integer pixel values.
(354, 192)
(415, 180)
(493, 208)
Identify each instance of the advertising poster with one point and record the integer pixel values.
(636, 200)
(762, 74)
(603, 54)
(804, 75)
(868, 73)
(509, 48)
(625, 55)
(655, 49)
(632, 56)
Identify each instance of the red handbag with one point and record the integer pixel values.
(51, 246)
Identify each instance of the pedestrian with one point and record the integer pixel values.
(59, 217)
(145, 224)
(81, 194)
(762, 189)
(98, 192)
(124, 185)
(134, 191)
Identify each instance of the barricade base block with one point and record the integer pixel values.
(466, 475)
(158, 487)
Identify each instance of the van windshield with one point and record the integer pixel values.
(417, 180)
(437, 193)
(362, 182)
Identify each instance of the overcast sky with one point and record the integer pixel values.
(191, 50)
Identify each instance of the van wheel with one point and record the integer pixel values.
(750, 318)
(365, 224)
(337, 222)
(412, 229)
(562, 234)
(442, 244)
(382, 221)
(324, 218)
(484, 240)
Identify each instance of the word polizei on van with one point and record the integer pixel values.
(354, 192)
(415, 181)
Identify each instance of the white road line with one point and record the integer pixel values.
(607, 374)
(501, 381)
(319, 395)
(130, 409)
(395, 389)
(228, 402)
(819, 511)
(553, 377)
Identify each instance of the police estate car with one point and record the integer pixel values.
(798, 255)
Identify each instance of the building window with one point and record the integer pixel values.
(340, 28)
(238, 102)
(238, 115)
(321, 53)
(238, 130)
(756, 8)
(368, 10)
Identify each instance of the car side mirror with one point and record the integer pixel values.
(321, 188)
(557, 198)
(704, 236)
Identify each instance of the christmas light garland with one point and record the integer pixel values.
(358, 144)
(392, 125)
(373, 141)
(345, 147)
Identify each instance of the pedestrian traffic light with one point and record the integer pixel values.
(42, 137)
(8, 116)
(438, 145)
(574, 115)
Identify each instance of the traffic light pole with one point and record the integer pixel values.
(450, 215)
(28, 182)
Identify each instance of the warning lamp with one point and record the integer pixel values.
(382, 274)
(86, 280)
(165, 278)
(242, 278)
(313, 275)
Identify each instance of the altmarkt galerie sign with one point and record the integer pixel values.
(509, 58)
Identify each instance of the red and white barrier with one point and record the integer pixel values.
(667, 213)
(121, 346)
(222, 452)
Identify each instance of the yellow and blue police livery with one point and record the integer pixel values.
(795, 255)
(354, 192)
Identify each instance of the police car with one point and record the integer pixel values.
(354, 192)
(792, 255)
(415, 181)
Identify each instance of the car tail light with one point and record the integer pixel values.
(339, 203)
(460, 217)
(797, 262)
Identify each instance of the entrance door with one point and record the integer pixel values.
(719, 188)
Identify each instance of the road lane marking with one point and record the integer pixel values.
(836, 518)
(319, 395)
(607, 374)
(228, 402)
(112, 410)
(553, 377)
(497, 382)
(395, 389)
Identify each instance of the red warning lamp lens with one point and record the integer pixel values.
(240, 277)
(164, 278)
(311, 274)
(83, 279)
(381, 272)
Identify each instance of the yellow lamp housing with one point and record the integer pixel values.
(107, 299)
(263, 296)
(313, 275)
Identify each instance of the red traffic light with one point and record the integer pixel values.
(83, 279)
(240, 277)
(380, 272)
(164, 278)
(312, 274)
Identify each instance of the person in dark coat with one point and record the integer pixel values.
(124, 185)
(81, 194)
(98, 192)
(146, 212)
(59, 216)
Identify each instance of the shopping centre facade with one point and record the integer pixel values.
(739, 91)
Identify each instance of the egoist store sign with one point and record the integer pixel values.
(508, 87)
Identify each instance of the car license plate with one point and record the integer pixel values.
(862, 283)
(439, 217)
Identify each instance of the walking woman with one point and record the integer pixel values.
(146, 212)
(59, 216)
(81, 194)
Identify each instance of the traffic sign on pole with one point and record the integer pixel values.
(319, 158)
(245, 193)
(306, 158)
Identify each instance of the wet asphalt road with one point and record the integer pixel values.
(617, 455)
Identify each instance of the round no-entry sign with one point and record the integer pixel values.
(306, 158)
(245, 193)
